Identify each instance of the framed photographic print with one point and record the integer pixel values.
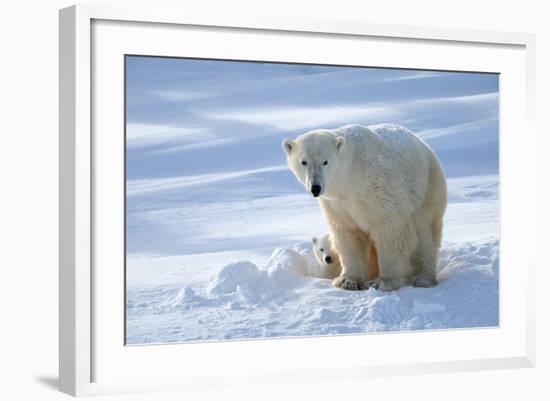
(277, 194)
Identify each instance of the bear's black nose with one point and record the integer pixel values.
(328, 259)
(315, 190)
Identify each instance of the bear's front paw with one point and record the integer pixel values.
(347, 283)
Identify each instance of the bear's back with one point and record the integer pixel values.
(394, 135)
(394, 138)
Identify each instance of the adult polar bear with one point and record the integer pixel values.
(382, 184)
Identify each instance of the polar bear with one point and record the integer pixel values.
(381, 184)
(328, 258)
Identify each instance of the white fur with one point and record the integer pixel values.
(382, 183)
(323, 248)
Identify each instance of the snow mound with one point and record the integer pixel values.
(247, 282)
(229, 278)
(286, 261)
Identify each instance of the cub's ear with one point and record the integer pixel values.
(340, 142)
(288, 145)
(314, 240)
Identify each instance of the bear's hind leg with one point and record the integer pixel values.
(424, 259)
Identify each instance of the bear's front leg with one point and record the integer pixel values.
(350, 249)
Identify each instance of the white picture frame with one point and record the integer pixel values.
(87, 351)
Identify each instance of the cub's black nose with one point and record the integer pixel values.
(315, 190)
(328, 259)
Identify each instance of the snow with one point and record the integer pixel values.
(269, 291)
(218, 230)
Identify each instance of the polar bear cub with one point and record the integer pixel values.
(328, 259)
(326, 256)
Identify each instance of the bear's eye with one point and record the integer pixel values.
(325, 163)
(304, 163)
(322, 250)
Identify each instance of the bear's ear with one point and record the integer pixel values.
(288, 145)
(340, 142)
(314, 240)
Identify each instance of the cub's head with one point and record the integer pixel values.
(324, 250)
(314, 158)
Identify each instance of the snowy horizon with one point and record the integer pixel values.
(190, 109)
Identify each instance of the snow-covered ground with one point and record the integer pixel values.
(218, 229)
(249, 281)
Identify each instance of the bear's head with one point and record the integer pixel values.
(324, 250)
(314, 158)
